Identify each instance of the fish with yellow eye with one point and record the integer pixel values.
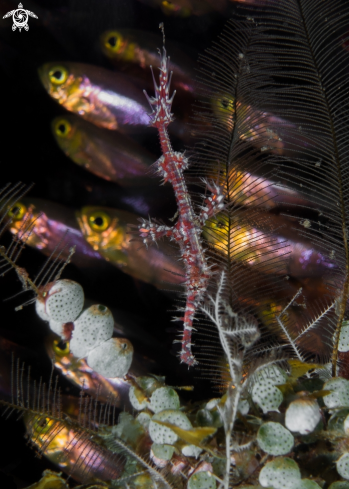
(81, 375)
(185, 8)
(105, 98)
(111, 232)
(52, 223)
(252, 190)
(134, 51)
(98, 95)
(109, 155)
(254, 126)
(253, 242)
(74, 449)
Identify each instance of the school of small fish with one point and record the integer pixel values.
(102, 129)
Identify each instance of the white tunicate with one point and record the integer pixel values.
(346, 425)
(56, 327)
(243, 406)
(213, 403)
(202, 480)
(273, 373)
(112, 358)
(339, 397)
(339, 485)
(191, 451)
(163, 452)
(40, 309)
(164, 435)
(306, 484)
(266, 395)
(274, 439)
(64, 301)
(137, 402)
(144, 420)
(343, 344)
(281, 473)
(342, 465)
(164, 398)
(303, 415)
(91, 328)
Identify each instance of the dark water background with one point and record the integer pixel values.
(69, 31)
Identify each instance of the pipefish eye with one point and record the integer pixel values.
(58, 75)
(62, 128)
(114, 41)
(99, 221)
(18, 211)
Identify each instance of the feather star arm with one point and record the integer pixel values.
(187, 230)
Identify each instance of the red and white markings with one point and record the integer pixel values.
(187, 230)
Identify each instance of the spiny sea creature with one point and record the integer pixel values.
(186, 231)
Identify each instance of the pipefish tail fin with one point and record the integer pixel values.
(14, 215)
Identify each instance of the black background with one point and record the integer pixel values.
(70, 30)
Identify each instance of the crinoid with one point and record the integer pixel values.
(266, 260)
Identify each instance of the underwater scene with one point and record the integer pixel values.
(174, 255)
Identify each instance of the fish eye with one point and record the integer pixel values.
(17, 212)
(169, 6)
(124, 346)
(60, 348)
(62, 128)
(58, 75)
(114, 41)
(42, 423)
(99, 221)
(226, 104)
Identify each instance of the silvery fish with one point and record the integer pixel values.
(105, 98)
(52, 224)
(253, 241)
(185, 8)
(134, 51)
(109, 155)
(73, 449)
(81, 375)
(98, 95)
(111, 232)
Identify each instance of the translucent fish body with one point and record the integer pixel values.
(81, 375)
(52, 223)
(255, 127)
(109, 155)
(185, 8)
(135, 51)
(111, 233)
(251, 190)
(73, 449)
(98, 95)
(250, 243)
